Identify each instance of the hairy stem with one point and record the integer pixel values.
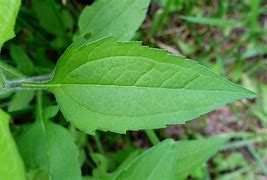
(36, 82)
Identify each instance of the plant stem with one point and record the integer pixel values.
(152, 136)
(32, 85)
(98, 144)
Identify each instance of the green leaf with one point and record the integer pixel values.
(20, 100)
(9, 72)
(8, 13)
(11, 166)
(117, 18)
(49, 16)
(51, 111)
(119, 86)
(170, 159)
(49, 147)
(37, 174)
(22, 60)
(100, 172)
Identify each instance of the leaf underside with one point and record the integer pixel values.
(120, 86)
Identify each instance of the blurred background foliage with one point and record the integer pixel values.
(228, 36)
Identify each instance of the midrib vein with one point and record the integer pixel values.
(63, 85)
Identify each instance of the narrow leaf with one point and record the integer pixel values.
(212, 21)
(170, 159)
(118, 86)
(11, 166)
(117, 18)
(8, 13)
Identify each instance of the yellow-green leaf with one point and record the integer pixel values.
(8, 13)
(11, 165)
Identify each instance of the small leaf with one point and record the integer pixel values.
(49, 16)
(11, 166)
(49, 147)
(117, 18)
(8, 13)
(170, 159)
(51, 111)
(22, 60)
(118, 86)
(20, 100)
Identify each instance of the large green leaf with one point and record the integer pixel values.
(11, 166)
(119, 86)
(49, 147)
(170, 160)
(117, 18)
(8, 13)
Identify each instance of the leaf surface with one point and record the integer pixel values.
(20, 100)
(49, 16)
(118, 86)
(170, 159)
(49, 147)
(22, 60)
(8, 13)
(117, 18)
(11, 166)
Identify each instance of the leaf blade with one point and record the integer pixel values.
(8, 13)
(116, 18)
(50, 148)
(135, 87)
(11, 166)
(170, 159)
